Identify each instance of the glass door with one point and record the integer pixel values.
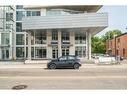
(54, 52)
(65, 50)
(5, 53)
(40, 52)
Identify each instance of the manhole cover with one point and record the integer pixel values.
(19, 87)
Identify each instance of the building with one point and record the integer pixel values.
(7, 31)
(117, 45)
(47, 32)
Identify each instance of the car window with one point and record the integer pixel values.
(71, 58)
(63, 58)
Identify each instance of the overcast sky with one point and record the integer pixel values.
(117, 18)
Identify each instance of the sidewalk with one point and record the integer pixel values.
(20, 64)
(35, 66)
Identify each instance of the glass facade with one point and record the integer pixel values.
(19, 7)
(40, 37)
(80, 38)
(65, 50)
(9, 16)
(5, 53)
(5, 38)
(20, 39)
(20, 52)
(80, 51)
(19, 15)
(55, 52)
(65, 36)
(55, 12)
(18, 27)
(40, 52)
(33, 13)
(54, 35)
(9, 26)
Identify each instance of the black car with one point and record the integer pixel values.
(65, 61)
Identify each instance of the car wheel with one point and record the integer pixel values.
(52, 66)
(76, 66)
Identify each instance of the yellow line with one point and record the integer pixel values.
(64, 77)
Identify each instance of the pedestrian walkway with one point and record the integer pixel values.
(2, 66)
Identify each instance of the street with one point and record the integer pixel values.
(87, 77)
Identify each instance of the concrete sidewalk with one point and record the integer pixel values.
(2, 66)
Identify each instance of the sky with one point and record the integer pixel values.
(117, 18)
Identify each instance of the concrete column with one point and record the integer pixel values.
(29, 45)
(25, 46)
(72, 42)
(0, 48)
(59, 44)
(14, 46)
(49, 48)
(11, 47)
(89, 45)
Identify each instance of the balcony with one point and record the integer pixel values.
(65, 21)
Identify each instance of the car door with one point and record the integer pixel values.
(62, 61)
(70, 60)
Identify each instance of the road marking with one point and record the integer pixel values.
(65, 77)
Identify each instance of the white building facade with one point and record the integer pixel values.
(7, 31)
(48, 32)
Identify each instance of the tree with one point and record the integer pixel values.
(99, 44)
(111, 34)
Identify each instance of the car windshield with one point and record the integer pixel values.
(63, 58)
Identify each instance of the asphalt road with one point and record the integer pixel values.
(98, 77)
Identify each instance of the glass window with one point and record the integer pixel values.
(65, 36)
(9, 26)
(20, 52)
(5, 38)
(18, 27)
(80, 38)
(33, 13)
(40, 52)
(28, 13)
(20, 40)
(9, 16)
(19, 7)
(54, 35)
(63, 58)
(40, 38)
(19, 15)
(80, 51)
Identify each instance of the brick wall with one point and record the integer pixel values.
(117, 46)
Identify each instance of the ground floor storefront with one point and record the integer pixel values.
(53, 43)
(49, 44)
